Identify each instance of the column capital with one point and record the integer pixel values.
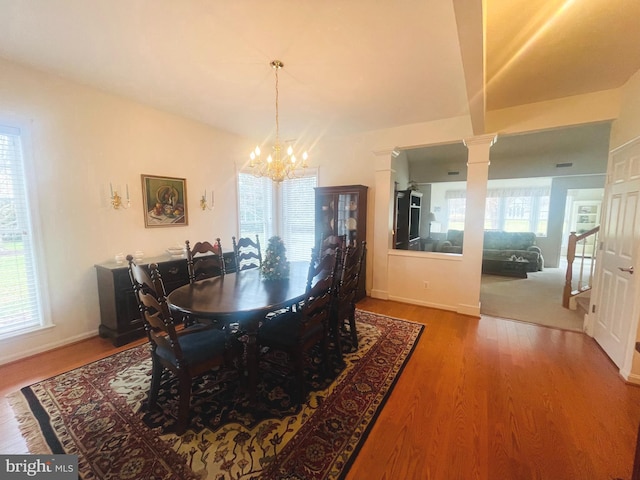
(386, 151)
(481, 140)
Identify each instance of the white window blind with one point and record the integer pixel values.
(295, 222)
(19, 298)
(297, 216)
(255, 201)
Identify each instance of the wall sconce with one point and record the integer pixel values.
(117, 201)
(203, 202)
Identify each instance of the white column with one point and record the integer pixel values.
(382, 223)
(477, 175)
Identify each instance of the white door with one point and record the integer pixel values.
(616, 299)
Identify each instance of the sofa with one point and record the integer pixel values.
(500, 245)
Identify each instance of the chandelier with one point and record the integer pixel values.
(278, 165)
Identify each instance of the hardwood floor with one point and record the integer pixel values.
(480, 399)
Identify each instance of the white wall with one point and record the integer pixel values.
(80, 139)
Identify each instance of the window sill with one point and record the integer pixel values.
(24, 331)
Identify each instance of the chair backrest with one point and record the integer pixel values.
(140, 278)
(205, 260)
(330, 244)
(247, 252)
(350, 275)
(150, 294)
(323, 267)
(318, 301)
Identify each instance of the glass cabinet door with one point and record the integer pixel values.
(348, 216)
(342, 210)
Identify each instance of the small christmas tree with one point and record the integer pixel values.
(275, 265)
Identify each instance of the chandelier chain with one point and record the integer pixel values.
(277, 67)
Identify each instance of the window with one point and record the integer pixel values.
(297, 216)
(292, 218)
(20, 308)
(255, 200)
(519, 209)
(456, 208)
(509, 206)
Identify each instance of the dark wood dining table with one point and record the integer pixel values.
(243, 297)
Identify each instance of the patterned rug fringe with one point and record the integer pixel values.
(29, 427)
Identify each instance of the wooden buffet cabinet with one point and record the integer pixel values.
(120, 318)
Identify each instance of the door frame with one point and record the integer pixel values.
(626, 370)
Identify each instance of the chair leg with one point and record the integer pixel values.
(326, 360)
(338, 344)
(156, 378)
(352, 328)
(184, 403)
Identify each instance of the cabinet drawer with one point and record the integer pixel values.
(174, 274)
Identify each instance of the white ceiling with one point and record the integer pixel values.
(350, 65)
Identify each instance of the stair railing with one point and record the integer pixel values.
(583, 247)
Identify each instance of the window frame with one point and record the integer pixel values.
(34, 221)
(276, 227)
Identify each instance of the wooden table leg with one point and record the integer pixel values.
(635, 475)
(251, 355)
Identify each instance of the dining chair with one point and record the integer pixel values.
(247, 253)
(330, 244)
(296, 332)
(346, 292)
(205, 260)
(187, 352)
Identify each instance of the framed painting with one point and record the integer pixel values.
(165, 201)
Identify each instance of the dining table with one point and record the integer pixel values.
(244, 298)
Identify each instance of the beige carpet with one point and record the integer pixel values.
(536, 299)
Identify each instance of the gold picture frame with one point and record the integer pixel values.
(165, 201)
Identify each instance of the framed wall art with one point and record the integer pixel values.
(165, 201)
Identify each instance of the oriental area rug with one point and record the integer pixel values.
(99, 412)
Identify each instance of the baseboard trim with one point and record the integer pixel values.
(381, 294)
(46, 347)
(413, 301)
(629, 377)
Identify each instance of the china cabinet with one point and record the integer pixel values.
(342, 210)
